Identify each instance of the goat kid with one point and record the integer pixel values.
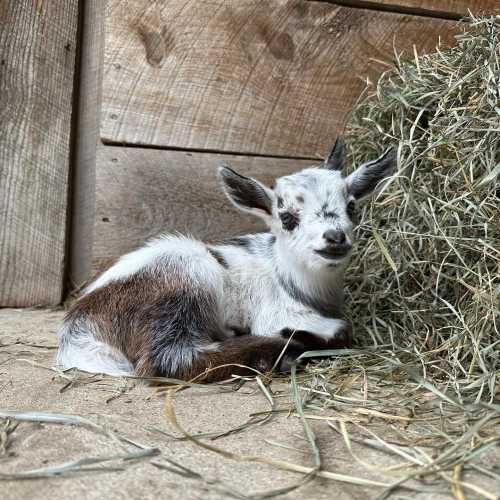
(177, 307)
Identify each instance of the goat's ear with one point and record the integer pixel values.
(364, 179)
(246, 193)
(337, 158)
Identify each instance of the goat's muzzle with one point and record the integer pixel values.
(334, 252)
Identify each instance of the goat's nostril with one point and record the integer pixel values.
(334, 236)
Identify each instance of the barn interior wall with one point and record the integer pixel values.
(275, 92)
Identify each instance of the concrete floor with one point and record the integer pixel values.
(137, 411)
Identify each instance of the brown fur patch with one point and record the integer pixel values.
(124, 313)
(259, 353)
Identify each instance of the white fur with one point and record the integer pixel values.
(189, 252)
(253, 297)
(84, 352)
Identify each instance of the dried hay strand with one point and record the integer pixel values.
(425, 278)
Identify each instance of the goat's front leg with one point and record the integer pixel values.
(244, 355)
(318, 332)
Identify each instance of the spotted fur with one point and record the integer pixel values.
(181, 308)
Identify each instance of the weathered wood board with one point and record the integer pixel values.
(37, 63)
(456, 8)
(142, 193)
(86, 143)
(268, 77)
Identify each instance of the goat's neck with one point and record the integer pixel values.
(325, 285)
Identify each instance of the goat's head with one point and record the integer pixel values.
(311, 212)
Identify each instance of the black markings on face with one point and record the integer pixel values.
(280, 202)
(289, 220)
(330, 214)
(327, 214)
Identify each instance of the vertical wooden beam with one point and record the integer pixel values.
(86, 143)
(37, 63)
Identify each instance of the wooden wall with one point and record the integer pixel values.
(167, 90)
(264, 84)
(38, 42)
(254, 77)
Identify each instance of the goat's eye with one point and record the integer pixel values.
(351, 207)
(290, 221)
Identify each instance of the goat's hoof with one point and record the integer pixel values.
(285, 364)
(289, 358)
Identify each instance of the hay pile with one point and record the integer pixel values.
(426, 275)
(423, 384)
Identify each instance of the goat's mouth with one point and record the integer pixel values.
(335, 253)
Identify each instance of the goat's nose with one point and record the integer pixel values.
(334, 236)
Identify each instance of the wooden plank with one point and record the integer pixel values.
(37, 57)
(273, 77)
(87, 141)
(144, 192)
(449, 8)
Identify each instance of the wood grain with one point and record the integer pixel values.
(87, 142)
(37, 62)
(143, 192)
(268, 77)
(455, 8)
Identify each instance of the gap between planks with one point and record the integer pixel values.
(73, 153)
(212, 151)
(394, 9)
